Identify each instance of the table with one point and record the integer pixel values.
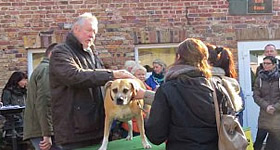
(11, 110)
(122, 144)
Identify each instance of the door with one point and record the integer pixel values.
(245, 51)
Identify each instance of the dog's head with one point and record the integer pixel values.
(122, 90)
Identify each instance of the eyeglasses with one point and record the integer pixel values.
(265, 63)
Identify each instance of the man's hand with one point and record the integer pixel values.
(140, 93)
(123, 74)
(147, 95)
(270, 109)
(46, 143)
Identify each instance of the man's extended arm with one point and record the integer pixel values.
(147, 95)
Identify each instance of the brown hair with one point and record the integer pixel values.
(223, 58)
(193, 52)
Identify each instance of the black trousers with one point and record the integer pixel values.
(261, 134)
(272, 142)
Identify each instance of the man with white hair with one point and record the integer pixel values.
(269, 50)
(75, 83)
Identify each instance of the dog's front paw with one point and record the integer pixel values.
(147, 146)
(129, 138)
(103, 147)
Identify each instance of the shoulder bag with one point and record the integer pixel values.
(230, 133)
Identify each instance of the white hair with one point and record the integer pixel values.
(138, 67)
(86, 16)
(129, 63)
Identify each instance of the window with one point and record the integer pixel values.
(34, 57)
(147, 53)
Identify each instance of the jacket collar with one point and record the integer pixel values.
(177, 70)
(77, 47)
(218, 71)
(72, 41)
(45, 60)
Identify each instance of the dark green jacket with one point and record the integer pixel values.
(37, 117)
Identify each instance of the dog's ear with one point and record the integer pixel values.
(135, 86)
(108, 84)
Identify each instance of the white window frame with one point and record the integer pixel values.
(30, 53)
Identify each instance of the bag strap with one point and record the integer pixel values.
(217, 110)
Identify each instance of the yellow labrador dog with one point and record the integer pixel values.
(119, 105)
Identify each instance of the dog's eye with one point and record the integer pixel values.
(125, 91)
(115, 90)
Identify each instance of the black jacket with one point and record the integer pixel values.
(183, 112)
(77, 103)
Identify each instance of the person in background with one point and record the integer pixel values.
(37, 118)
(76, 78)
(149, 71)
(222, 58)
(129, 64)
(157, 77)
(14, 94)
(267, 96)
(269, 50)
(222, 62)
(140, 72)
(176, 114)
(148, 68)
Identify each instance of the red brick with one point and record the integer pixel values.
(119, 1)
(11, 30)
(133, 1)
(5, 4)
(76, 2)
(129, 17)
(24, 16)
(42, 7)
(5, 21)
(32, 3)
(4, 42)
(25, 8)
(69, 11)
(18, 4)
(4, 9)
(47, 3)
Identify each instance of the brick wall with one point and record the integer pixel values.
(123, 24)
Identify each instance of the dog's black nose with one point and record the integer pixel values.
(120, 101)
